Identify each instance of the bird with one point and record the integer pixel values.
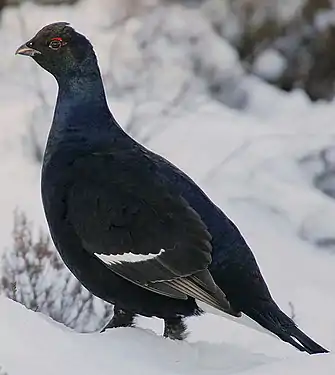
(133, 228)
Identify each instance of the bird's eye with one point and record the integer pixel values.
(55, 44)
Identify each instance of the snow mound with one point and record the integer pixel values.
(36, 345)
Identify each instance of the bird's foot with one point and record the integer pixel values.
(121, 318)
(175, 328)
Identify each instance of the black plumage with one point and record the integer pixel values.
(133, 228)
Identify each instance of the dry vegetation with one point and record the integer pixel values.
(306, 40)
(34, 275)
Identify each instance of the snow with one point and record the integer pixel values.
(287, 9)
(269, 64)
(246, 150)
(324, 19)
(45, 347)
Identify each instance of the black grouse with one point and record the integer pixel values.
(133, 228)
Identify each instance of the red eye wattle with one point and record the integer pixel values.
(56, 43)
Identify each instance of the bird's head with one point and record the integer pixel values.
(60, 50)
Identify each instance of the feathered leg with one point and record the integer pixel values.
(175, 328)
(121, 318)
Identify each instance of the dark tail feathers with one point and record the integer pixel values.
(273, 319)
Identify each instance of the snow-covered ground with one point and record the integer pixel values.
(248, 161)
(33, 344)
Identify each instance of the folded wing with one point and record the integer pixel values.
(132, 220)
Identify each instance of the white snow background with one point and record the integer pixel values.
(245, 150)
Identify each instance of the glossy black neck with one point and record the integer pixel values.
(84, 85)
(82, 117)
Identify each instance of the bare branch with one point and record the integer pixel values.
(34, 275)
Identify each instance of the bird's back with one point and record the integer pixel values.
(233, 266)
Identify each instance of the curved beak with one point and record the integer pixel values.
(27, 51)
